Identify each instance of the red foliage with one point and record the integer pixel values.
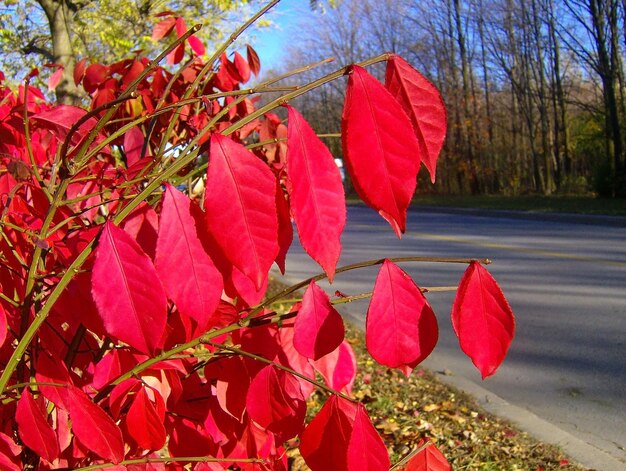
(134, 314)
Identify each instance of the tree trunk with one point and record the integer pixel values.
(59, 20)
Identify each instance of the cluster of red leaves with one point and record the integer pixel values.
(153, 340)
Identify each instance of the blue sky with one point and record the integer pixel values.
(287, 18)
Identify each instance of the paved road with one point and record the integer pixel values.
(566, 284)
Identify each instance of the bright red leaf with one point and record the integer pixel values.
(79, 70)
(163, 28)
(285, 229)
(381, 151)
(241, 207)
(276, 403)
(289, 356)
(95, 75)
(3, 325)
(34, 429)
(61, 119)
(427, 459)
(127, 291)
(401, 328)
(55, 78)
(51, 371)
(144, 423)
(94, 428)
(423, 104)
(482, 319)
(253, 60)
(9, 454)
(319, 328)
(242, 67)
(338, 368)
(133, 145)
(316, 193)
(179, 250)
(327, 437)
(366, 450)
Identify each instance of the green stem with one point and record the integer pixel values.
(29, 147)
(410, 455)
(41, 316)
(354, 266)
(164, 356)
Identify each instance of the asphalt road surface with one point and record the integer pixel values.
(566, 283)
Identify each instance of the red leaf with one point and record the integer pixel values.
(289, 356)
(244, 289)
(34, 429)
(127, 291)
(95, 75)
(428, 459)
(55, 78)
(380, 148)
(51, 371)
(423, 104)
(181, 26)
(133, 145)
(79, 71)
(242, 67)
(326, 438)
(3, 325)
(285, 229)
(176, 55)
(144, 423)
(241, 207)
(366, 450)
(276, 403)
(131, 74)
(253, 60)
(401, 328)
(232, 385)
(338, 368)
(142, 224)
(61, 118)
(163, 28)
(94, 428)
(316, 193)
(9, 454)
(188, 274)
(482, 319)
(196, 45)
(318, 329)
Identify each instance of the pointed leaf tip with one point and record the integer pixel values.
(34, 429)
(482, 319)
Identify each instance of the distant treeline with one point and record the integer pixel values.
(534, 88)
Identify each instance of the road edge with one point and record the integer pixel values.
(575, 448)
(579, 450)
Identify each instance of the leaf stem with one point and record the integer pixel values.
(354, 266)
